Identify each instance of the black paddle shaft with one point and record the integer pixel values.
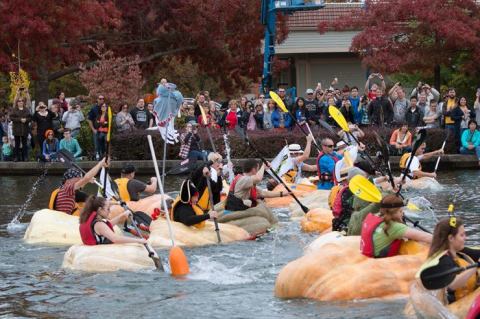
(422, 135)
(444, 278)
(303, 207)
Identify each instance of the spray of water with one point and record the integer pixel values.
(15, 224)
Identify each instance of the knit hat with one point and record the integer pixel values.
(71, 173)
(187, 190)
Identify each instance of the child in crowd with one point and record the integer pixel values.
(7, 150)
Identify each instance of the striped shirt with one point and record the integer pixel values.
(65, 201)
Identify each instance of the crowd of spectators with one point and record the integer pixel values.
(47, 129)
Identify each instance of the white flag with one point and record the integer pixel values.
(282, 163)
(109, 192)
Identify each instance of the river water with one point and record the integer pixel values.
(226, 281)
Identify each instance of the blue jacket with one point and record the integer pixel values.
(276, 118)
(301, 115)
(357, 114)
(467, 137)
(327, 164)
(50, 149)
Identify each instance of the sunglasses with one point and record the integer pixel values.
(330, 146)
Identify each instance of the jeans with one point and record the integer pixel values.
(199, 155)
(95, 141)
(476, 150)
(21, 153)
(101, 146)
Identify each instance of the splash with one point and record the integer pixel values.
(15, 225)
(205, 268)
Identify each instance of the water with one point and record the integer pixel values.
(226, 281)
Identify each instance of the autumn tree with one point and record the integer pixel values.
(118, 78)
(50, 35)
(222, 38)
(415, 35)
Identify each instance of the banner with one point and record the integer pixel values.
(166, 107)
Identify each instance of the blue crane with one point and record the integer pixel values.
(270, 8)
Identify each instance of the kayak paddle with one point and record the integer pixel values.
(419, 139)
(443, 147)
(107, 150)
(434, 278)
(178, 260)
(361, 187)
(303, 207)
(284, 109)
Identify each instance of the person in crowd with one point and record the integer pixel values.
(347, 111)
(143, 118)
(320, 98)
(124, 120)
(190, 143)
(215, 114)
(447, 252)
(95, 227)
(70, 144)
(243, 102)
(244, 192)
(277, 118)
(430, 93)
(432, 116)
(326, 161)
(414, 116)
(101, 125)
(213, 171)
(400, 103)
(261, 99)
(422, 103)
(301, 113)
(21, 117)
(57, 124)
(380, 109)
(150, 110)
(354, 99)
(382, 234)
(91, 119)
(185, 207)
(251, 123)
(312, 109)
(63, 199)
(200, 101)
(232, 116)
(267, 117)
(364, 104)
(468, 114)
(326, 115)
(130, 188)
(209, 120)
(7, 150)
(452, 114)
(259, 115)
(476, 106)
(73, 118)
(415, 166)
(244, 113)
(42, 121)
(62, 102)
(471, 140)
(372, 88)
(50, 147)
(287, 100)
(190, 115)
(401, 140)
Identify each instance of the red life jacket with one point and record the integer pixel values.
(326, 176)
(367, 248)
(337, 207)
(87, 232)
(253, 190)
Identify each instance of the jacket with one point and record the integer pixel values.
(19, 128)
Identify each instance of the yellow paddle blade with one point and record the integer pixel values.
(364, 189)
(279, 101)
(451, 208)
(338, 117)
(109, 115)
(412, 206)
(204, 116)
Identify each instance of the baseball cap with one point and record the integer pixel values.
(309, 91)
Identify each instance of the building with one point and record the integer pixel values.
(316, 57)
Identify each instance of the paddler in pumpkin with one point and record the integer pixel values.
(213, 171)
(297, 162)
(326, 161)
(382, 234)
(65, 198)
(130, 188)
(415, 166)
(447, 252)
(185, 209)
(244, 193)
(97, 229)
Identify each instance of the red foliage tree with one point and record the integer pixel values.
(50, 35)
(118, 78)
(222, 37)
(415, 35)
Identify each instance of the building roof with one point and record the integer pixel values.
(309, 20)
